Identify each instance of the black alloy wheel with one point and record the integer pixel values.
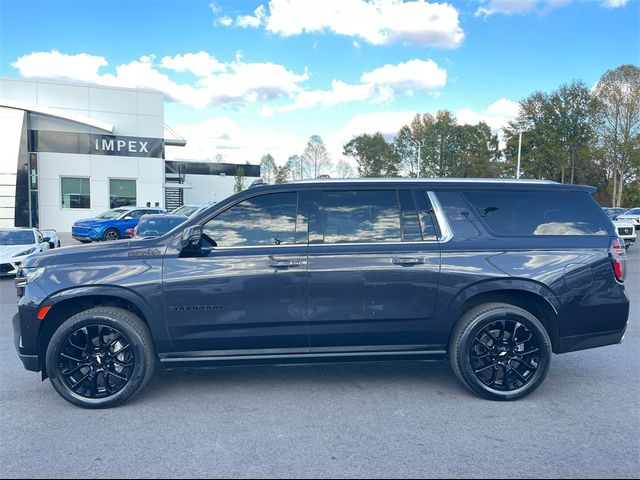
(505, 355)
(100, 357)
(96, 361)
(500, 351)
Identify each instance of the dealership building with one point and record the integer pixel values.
(71, 151)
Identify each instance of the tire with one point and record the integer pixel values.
(111, 234)
(84, 376)
(58, 245)
(493, 351)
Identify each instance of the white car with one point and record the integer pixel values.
(17, 243)
(626, 230)
(631, 216)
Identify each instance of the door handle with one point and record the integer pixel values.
(284, 263)
(407, 261)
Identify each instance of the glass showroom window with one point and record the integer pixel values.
(122, 193)
(76, 192)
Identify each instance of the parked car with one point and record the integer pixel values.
(188, 210)
(626, 231)
(495, 275)
(613, 212)
(632, 216)
(17, 243)
(155, 225)
(110, 225)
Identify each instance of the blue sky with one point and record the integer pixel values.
(245, 78)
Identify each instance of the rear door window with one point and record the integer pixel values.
(361, 216)
(537, 212)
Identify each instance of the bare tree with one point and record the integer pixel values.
(315, 158)
(267, 167)
(295, 166)
(344, 169)
(218, 158)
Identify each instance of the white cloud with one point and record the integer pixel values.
(253, 21)
(224, 21)
(218, 84)
(201, 64)
(496, 115)
(378, 86)
(379, 22)
(412, 75)
(512, 7)
(82, 67)
(223, 135)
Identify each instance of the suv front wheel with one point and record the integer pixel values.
(500, 351)
(100, 357)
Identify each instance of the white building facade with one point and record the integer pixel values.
(71, 151)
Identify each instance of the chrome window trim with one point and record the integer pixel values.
(306, 245)
(445, 228)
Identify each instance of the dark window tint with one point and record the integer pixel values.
(361, 216)
(538, 213)
(265, 220)
(411, 231)
(459, 215)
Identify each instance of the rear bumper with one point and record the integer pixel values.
(594, 340)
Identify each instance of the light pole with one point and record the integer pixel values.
(519, 152)
(418, 146)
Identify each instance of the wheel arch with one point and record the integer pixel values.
(531, 296)
(69, 302)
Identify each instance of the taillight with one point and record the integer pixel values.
(618, 259)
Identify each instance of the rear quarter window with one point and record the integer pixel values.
(538, 212)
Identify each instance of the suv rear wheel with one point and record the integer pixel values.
(500, 351)
(100, 357)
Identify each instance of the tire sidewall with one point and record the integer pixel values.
(481, 321)
(84, 319)
(107, 231)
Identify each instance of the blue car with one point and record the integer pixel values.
(110, 225)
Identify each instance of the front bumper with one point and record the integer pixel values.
(30, 361)
(10, 266)
(85, 234)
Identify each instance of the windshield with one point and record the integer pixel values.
(633, 211)
(112, 214)
(153, 227)
(16, 237)
(185, 210)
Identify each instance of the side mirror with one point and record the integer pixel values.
(191, 236)
(46, 239)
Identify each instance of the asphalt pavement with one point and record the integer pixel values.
(349, 421)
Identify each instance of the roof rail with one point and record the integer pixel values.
(258, 183)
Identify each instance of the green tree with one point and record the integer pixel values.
(267, 167)
(374, 155)
(617, 123)
(238, 186)
(281, 174)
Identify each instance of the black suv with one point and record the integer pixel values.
(494, 274)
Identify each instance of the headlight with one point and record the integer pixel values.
(28, 275)
(26, 252)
